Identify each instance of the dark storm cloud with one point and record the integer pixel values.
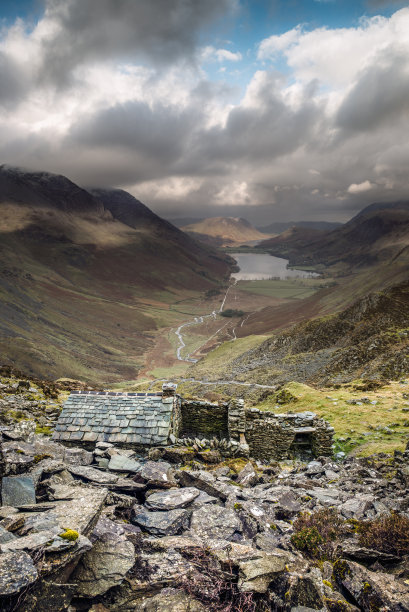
(159, 134)
(158, 31)
(381, 95)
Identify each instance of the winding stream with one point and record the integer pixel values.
(198, 321)
(252, 267)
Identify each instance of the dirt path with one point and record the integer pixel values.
(216, 382)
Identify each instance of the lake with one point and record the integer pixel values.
(262, 267)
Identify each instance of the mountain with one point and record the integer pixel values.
(369, 339)
(380, 232)
(281, 226)
(224, 231)
(182, 221)
(87, 278)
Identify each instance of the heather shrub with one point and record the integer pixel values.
(316, 535)
(216, 587)
(388, 533)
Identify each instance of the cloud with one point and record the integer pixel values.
(221, 55)
(361, 188)
(159, 32)
(116, 93)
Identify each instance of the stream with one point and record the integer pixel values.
(198, 321)
(252, 267)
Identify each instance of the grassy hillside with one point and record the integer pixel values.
(83, 294)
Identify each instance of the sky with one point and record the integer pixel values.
(273, 110)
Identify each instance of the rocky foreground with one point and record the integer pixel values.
(111, 531)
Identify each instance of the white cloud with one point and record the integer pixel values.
(360, 187)
(210, 53)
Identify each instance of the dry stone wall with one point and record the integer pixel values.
(204, 420)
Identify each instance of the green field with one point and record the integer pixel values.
(284, 289)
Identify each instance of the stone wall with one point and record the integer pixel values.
(267, 438)
(176, 421)
(236, 419)
(276, 436)
(204, 420)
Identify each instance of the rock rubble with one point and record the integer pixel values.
(113, 531)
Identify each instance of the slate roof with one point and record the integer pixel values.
(130, 418)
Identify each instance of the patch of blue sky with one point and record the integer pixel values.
(28, 10)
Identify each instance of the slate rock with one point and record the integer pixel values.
(92, 474)
(7, 511)
(314, 468)
(17, 491)
(171, 600)
(17, 571)
(372, 590)
(172, 499)
(202, 499)
(78, 456)
(306, 590)
(214, 522)
(204, 481)
(158, 474)
(160, 523)
(107, 563)
(35, 541)
(48, 596)
(255, 575)
(6, 536)
(357, 507)
(121, 463)
(80, 507)
(352, 550)
(247, 476)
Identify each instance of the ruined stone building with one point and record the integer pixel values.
(144, 420)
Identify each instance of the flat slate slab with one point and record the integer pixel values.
(18, 491)
(172, 499)
(121, 463)
(17, 571)
(160, 523)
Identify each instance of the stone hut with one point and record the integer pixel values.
(143, 420)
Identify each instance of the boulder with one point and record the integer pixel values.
(17, 571)
(6, 536)
(214, 522)
(92, 474)
(172, 499)
(372, 590)
(247, 477)
(122, 463)
(160, 523)
(106, 564)
(18, 490)
(48, 596)
(255, 575)
(158, 474)
(357, 506)
(18, 457)
(203, 499)
(204, 481)
(79, 507)
(171, 600)
(306, 591)
(77, 456)
(315, 468)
